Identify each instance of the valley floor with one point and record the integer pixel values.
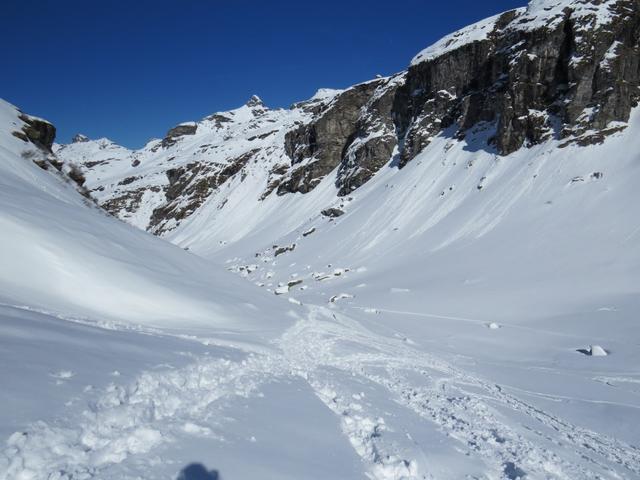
(344, 392)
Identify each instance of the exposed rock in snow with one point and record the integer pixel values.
(186, 128)
(332, 212)
(280, 250)
(255, 101)
(340, 296)
(40, 132)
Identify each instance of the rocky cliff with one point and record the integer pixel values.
(566, 70)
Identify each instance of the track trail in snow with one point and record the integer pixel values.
(383, 391)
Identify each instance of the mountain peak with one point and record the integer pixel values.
(255, 101)
(79, 138)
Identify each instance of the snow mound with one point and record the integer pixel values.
(597, 351)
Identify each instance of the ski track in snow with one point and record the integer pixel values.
(328, 350)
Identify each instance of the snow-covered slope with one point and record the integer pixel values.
(61, 254)
(447, 262)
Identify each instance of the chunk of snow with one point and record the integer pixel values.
(597, 351)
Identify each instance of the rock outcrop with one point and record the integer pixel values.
(317, 148)
(172, 136)
(354, 132)
(567, 74)
(189, 187)
(38, 131)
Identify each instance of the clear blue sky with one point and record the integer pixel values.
(130, 70)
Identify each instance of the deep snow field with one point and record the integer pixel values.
(440, 330)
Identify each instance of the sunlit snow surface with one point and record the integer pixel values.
(537, 14)
(442, 329)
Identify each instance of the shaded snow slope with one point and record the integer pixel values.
(60, 254)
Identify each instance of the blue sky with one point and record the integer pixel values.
(131, 70)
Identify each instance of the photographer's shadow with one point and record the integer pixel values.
(197, 471)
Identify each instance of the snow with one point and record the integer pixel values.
(546, 12)
(597, 351)
(325, 93)
(435, 334)
(62, 256)
(537, 14)
(476, 32)
(489, 280)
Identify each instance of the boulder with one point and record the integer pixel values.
(40, 132)
(332, 212)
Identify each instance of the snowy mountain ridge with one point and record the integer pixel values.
(574, 54)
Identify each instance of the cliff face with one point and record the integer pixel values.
(355, 133)
(561, 69)
(565, 70)
(571, 73)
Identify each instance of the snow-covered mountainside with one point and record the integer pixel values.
(563, 70)
(433, 275)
